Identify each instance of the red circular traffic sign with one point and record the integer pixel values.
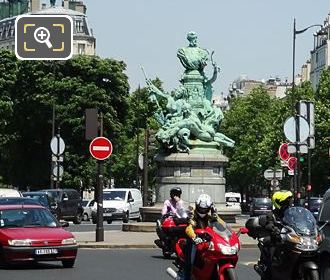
(283, 152)
(292, 161)
(100, 148)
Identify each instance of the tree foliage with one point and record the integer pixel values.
(71, 86)
(256, 124)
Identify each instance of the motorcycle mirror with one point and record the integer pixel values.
(243, 230)
(325, 224)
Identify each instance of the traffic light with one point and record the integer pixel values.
(301, 159)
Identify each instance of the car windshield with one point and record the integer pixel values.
(301, 220)
(262, 202)
(17, 201)
(27, 217)
(315, 202)
(54, 196)
(41, 198)
(114, 195)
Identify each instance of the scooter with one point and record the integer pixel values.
(169, 230)
(216, 258)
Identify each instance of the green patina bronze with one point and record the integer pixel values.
(189, 119)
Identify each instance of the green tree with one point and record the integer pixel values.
(74, 85)
(255, 123)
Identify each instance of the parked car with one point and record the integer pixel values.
(120, 204)
(18, 201)
(31, 233)
(323, 220)
(314, 205)
(67, 204)
(9, 193)
(260, 206)
(88, 206)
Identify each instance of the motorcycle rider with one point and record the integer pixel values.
(268, 227)
(170, 207)
(175, 202)
(203, 215)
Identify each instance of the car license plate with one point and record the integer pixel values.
(46, 251)
(107, 214)
(263, 208)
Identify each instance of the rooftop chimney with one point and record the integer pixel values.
(35, 5)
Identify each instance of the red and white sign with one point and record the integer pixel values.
(283, 152)
(100, 148)
(292, 161)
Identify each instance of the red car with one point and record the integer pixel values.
(31, 233)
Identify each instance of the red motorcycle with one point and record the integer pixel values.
(169, 230)
(216, 258)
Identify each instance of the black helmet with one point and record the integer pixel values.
(175, 192)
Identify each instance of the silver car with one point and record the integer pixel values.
(88, 207)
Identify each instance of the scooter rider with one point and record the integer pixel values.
(269, 224)
(175, 202)
(170, 207)
(204, 214)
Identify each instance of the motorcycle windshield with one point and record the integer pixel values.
(301, 220)
(222, 230)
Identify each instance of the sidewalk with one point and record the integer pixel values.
(136, 239)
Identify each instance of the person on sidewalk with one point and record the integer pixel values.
(203, 215)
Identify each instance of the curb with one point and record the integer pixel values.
(152, 228)
(138, 246)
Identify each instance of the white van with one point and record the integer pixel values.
(233, 200)
(9, 193)
(120, 204)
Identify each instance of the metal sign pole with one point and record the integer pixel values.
(58, 155)
(99, 218)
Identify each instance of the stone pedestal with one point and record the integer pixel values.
(200, 171)
(195, 173)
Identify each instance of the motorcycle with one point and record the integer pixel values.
(216, 258)
(169, 230)
(293, 254)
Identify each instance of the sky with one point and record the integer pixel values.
(249, 37)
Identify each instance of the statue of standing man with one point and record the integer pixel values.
(194, 59)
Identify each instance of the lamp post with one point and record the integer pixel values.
(294, 109)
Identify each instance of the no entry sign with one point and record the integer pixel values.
(283, 152)
(100, 148)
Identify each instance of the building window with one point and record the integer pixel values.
(1, 31)
(81, 48)
(79, 26)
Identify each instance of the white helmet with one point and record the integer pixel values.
(203, 204)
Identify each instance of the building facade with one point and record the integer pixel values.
(320, 59)
(84, 41)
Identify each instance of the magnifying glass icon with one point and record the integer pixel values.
(41, 35)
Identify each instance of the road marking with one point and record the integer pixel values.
(101, 148)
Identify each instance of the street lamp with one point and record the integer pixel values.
(294, 109)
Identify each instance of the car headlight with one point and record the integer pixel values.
(228, 250)
(20, 242)
(69, 241)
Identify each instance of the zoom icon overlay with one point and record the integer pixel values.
(43, 37)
